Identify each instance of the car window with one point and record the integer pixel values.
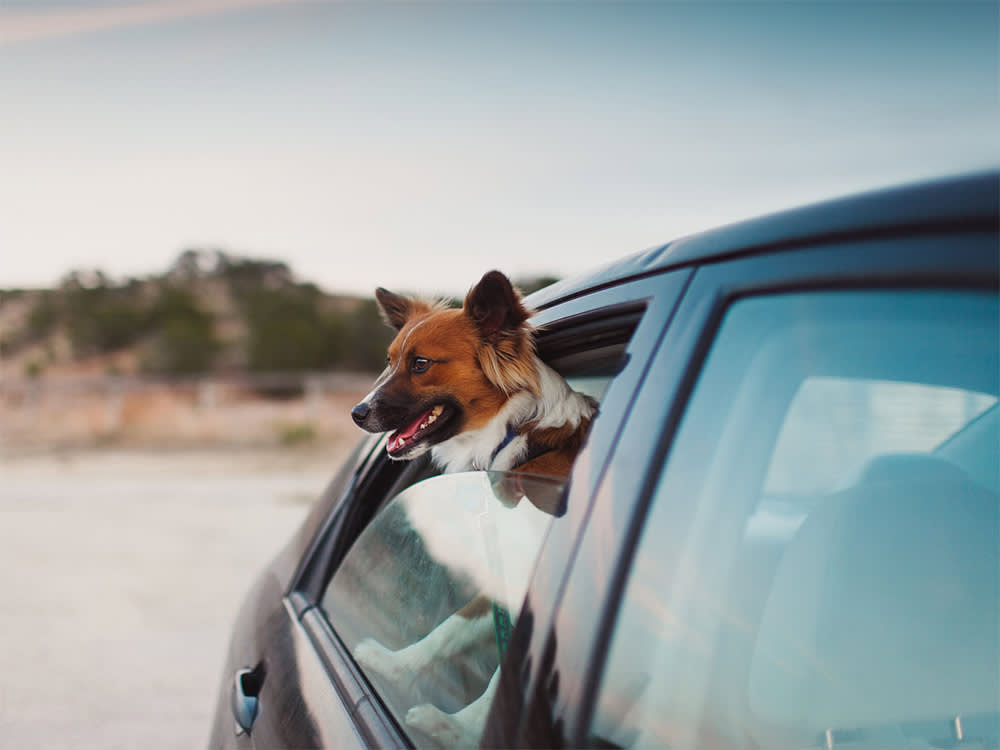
(815, 569)
(456, 543)
(412, 558)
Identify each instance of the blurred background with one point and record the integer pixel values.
(198, 198)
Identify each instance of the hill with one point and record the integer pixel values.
(217, 352)
(209, 312)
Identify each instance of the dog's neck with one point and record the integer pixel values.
(555, 406)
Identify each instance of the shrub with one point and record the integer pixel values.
(183, 339)
(296, 434)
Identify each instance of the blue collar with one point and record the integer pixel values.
(508, 438)
(532, 454)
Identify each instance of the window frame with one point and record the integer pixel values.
(577, 646)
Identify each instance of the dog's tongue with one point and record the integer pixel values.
(398, 438)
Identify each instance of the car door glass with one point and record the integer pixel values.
(457, 543)
(819, 566)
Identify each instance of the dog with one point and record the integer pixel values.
(466, 385)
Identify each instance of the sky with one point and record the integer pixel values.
(417, 145)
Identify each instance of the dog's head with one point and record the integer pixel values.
(449, 370)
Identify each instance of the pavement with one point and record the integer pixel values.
(120, 578)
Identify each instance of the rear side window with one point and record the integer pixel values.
(819, 567)
(426, 597)
(456, 543)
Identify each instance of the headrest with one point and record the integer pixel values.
(883, 610)
(908, 467)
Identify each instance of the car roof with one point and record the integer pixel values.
(963, 202)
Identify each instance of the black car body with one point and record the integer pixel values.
(782, 530)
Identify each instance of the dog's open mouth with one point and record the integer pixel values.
(420, 428)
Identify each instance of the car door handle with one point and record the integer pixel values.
(246, 697)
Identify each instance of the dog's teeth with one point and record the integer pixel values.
(430, 419)
(436, 412)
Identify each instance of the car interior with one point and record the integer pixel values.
(884, 611)
(888, 583)
(864, 614)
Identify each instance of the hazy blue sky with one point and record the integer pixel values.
(417, 145)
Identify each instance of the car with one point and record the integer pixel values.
(782, 530)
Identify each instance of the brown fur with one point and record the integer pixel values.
(563, 444)
(450, 340)
(480, 354)
(477, 357)
(505, 340)
(478, 607)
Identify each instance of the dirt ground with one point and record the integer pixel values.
(121, 576)
(78, 415)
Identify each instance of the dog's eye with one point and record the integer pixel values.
(420, 364)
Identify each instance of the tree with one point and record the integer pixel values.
(183, 337)
(286, 331)
(100, 317)
(367, 337)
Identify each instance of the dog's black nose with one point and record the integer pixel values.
(360, 413)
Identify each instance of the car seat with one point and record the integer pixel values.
(881, 627)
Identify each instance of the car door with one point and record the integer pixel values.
(313, 693)
(694, 614)
(275, 691)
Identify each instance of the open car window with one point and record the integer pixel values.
(457, 543)
(415, 549)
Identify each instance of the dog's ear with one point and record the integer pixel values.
(507, 344)
(395, 308)
(495, 307)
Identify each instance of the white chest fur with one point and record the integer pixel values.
(555, 406)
